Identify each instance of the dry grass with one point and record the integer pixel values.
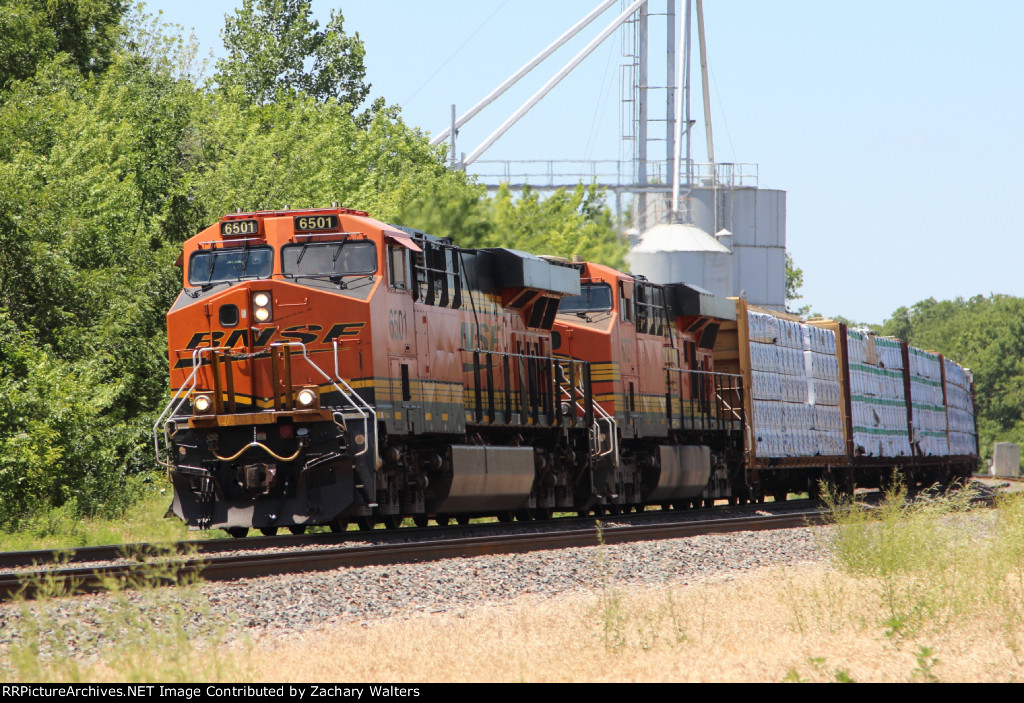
(807, 623)
(879, 612)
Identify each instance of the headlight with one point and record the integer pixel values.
(263, 310)
(202, 403)
(306, 398)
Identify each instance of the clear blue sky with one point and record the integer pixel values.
(893, 126)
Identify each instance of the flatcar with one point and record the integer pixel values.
(327, 368)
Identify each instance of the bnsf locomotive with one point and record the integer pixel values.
(327, 368)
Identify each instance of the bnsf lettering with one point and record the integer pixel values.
(342, 329)
(489, 336)
(307, 334)
(205, 340)
(298, 335)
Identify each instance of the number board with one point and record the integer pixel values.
(237, 228)
(316, 223)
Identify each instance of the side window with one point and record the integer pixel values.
(398, 267)
(437, 280)
(625, 305)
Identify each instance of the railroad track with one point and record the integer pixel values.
(220, 560)
(89, 569)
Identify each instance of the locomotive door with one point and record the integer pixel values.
(404, 372)
(403, 337)
(673, 388)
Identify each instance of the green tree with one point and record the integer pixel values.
(566, 223)
(34, 31)
(794, 281)
(985, 334)
(275, 47)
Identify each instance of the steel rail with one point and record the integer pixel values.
(85, 579)
(148, 558)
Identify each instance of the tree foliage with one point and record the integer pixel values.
(567, 223)
(985, 334)
(276, 49)
(34, 31)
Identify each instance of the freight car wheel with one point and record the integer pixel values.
(544, 513)
(238, 532)
(297, 529)
(392, 522)
(461, 519)
(420, 520)
(505, 516)
(443, 520)
(366, 523)
(268, 531)
(338, 525)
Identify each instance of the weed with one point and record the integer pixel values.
(613, 616)
(137, 631)
(843, 676)
(926, 664)
(918, 554)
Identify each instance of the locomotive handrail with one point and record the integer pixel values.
(613, 432)
(717, 377)
(348, 393)
(175, 403)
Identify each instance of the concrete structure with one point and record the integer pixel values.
(750, 223)
(1005, 460)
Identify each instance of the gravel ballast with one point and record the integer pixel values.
(290, 604)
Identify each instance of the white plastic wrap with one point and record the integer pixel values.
(785, 382)
(878, 404)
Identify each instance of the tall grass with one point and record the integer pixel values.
(65, 527)
(137, 632)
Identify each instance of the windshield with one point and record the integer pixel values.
(344, 258)
(593, 297)
(234, 264)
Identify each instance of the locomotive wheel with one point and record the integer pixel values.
(366, 523)
(238, 532)
(392, 522)
(420, 520)
(268, 531)
(297, 529)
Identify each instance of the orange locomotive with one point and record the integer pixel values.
(650, 348)
(329, 368)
